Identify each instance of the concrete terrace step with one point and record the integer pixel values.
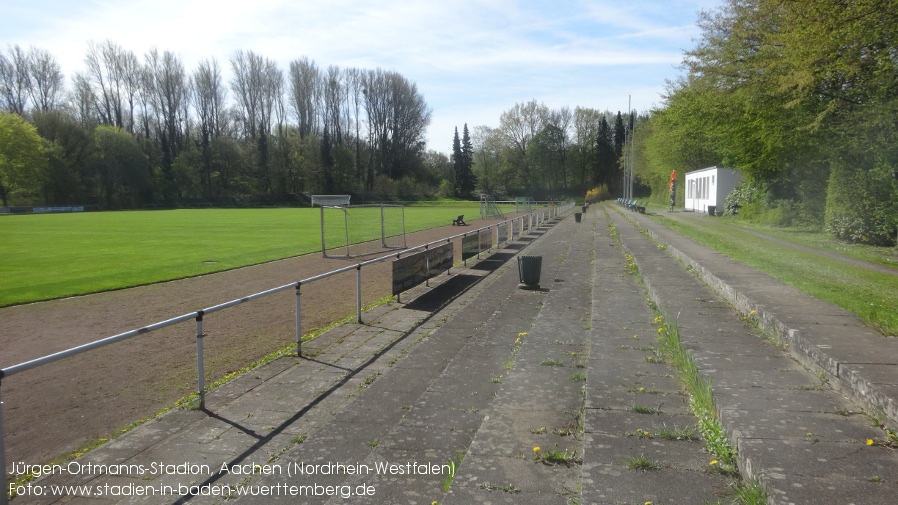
(632, 397)
(801, 439)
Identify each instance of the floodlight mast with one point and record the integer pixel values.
(632, 130)
(629, 151)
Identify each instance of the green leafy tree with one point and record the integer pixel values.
(605, 156)
(546, 153)
(124, 175)
(69, 147)
(22, 159)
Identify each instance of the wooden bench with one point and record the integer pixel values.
(459, 221)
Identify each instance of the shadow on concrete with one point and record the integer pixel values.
(430, 302)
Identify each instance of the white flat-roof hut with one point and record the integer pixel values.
(708, 188)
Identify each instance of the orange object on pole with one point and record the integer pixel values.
(673, 179)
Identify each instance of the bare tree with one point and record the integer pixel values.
(82, 101)
(305, 94)
(209, 95)
(355, 84)
(272, 95)
(167, 85)
(257, 85)
(15, 79)
(333, 98)
(46, 79)
(115, 77)
(397, 119)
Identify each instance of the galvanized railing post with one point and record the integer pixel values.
(298, 323)
(4, 498)
(426, 267)
(448, 241)
(200, 373)
(358, 292)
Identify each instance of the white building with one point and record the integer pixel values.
(709, 187)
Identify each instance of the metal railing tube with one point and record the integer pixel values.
(200, 371)
(21, 367)
(238, 301)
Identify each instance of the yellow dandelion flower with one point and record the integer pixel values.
(522, 334)
(536, 449)
(753, 312)
(648, 503)
(660, 329)
(714, 462)
(517, 341)
(870, 442)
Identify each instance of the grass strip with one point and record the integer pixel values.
(871, 295)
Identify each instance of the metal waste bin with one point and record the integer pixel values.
(578, 216)
(529, 269)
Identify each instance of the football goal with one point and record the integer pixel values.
(523, 204)
(489, 208)
(356, 230)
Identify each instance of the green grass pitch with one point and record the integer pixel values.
(48, 256)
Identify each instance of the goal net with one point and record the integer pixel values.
(523, 204)
(356, 230)
(489, 208)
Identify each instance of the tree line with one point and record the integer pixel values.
(130, 132)
(540, 152)
(802, 96)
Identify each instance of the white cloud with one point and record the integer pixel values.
(471, 60)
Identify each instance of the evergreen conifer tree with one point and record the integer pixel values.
(457, 165)
(469, 180)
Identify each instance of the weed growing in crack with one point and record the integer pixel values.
(643, 463)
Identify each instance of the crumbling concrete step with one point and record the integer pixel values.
(635, 407)
(802, 440)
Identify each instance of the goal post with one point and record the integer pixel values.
(330, 200)
(523, 204)
(353, 230)
(489, 208)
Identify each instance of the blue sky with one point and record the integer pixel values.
(471, 60)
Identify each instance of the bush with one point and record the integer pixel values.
(745, 199)
(859, 204)
(598, 194)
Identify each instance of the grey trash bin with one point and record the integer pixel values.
(529, 268)
(578, 216)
